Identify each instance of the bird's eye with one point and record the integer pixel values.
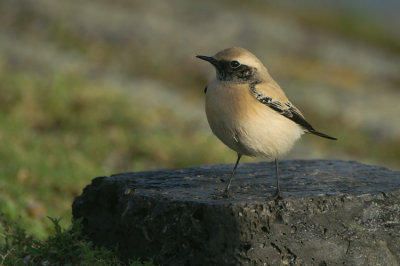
(235, 64)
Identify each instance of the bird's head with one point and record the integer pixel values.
(236, 65)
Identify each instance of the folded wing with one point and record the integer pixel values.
(284, 107)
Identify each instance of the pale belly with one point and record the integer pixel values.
(249, 127)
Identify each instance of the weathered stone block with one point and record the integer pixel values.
(333, 212)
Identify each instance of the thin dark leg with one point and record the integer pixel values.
(226, 193)
(277, 194)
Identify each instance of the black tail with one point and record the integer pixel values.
(321, 134)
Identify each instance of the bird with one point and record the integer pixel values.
(249, 112)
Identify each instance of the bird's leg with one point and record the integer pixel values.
(226, 193)
(277, 194)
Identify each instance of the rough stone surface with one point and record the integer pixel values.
(333, 212)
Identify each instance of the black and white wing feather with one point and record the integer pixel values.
(288, 110)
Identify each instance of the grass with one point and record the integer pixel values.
(60, 132)
(63, 247)
(57, 134)
(358, 24)
(353, 26)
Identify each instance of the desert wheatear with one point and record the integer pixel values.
(249, 112)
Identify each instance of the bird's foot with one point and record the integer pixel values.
(277, 195)
(226, 194)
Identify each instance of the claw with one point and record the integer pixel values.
(226, 194)
(277, 195)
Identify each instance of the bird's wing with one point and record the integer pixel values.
(273, 96)
(285, 107)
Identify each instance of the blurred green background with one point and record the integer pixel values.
(92, 88)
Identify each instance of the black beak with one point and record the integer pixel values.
(210, 59)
